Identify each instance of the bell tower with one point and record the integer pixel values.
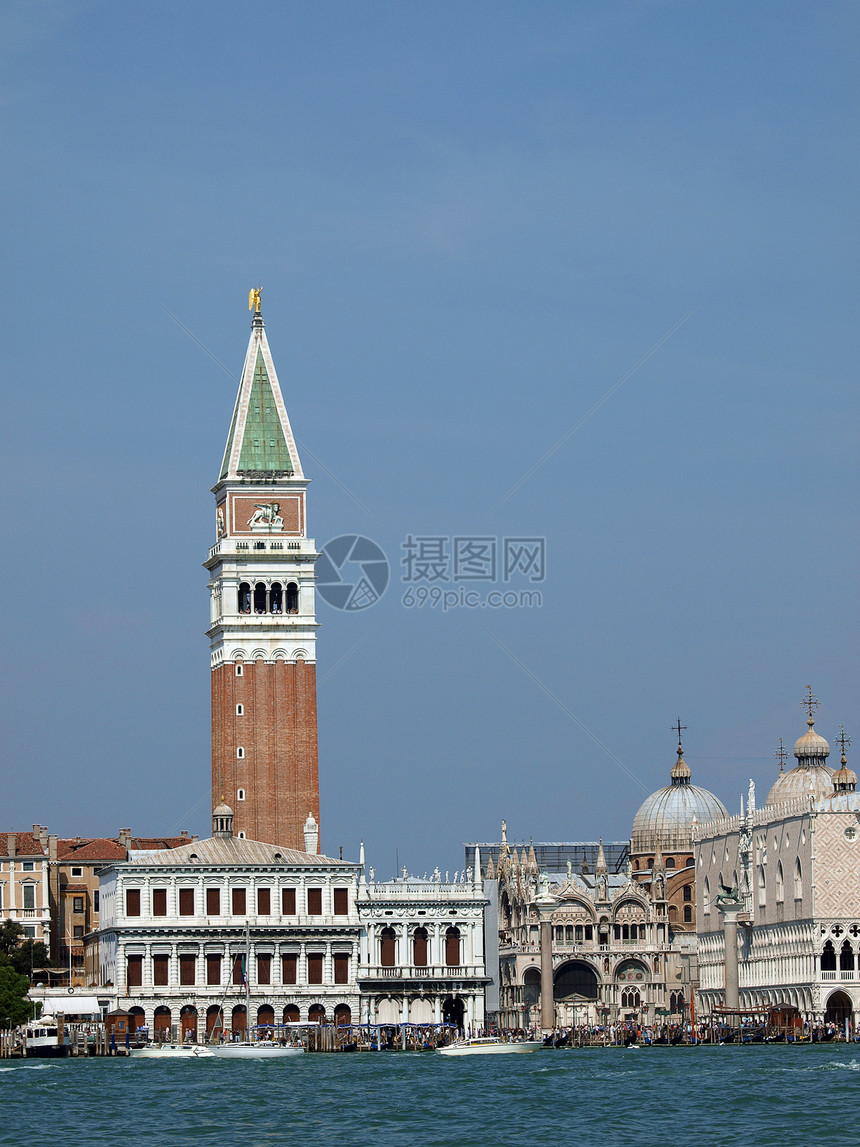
(262, 623)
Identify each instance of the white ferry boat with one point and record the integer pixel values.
(489, 1045)
(41, 1039)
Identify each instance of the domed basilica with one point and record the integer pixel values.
(608, 943)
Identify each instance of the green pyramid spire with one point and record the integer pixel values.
(260, 442)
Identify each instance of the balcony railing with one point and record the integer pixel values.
(419, 972)
(828, 975)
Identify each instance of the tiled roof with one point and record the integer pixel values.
(80, 849)
(232, 850)
(25, 844)
(159, 841)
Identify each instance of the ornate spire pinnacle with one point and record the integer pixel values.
(600, 868)
(680, 770)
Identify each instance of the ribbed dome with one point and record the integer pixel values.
(816, 781)
(665, 820)
(223, 809)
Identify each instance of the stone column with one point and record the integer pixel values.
(731, 979)
(547, 1003)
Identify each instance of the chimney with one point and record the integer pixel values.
(124, 837)
(11, 844)
(52, 848)
(312, 835)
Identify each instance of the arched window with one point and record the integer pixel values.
(240, 753)
(276, 598)
(419, 947)
(316, 1014)
(630, 998)
(706, 898)
(387, 944)
(846, 958)
(798, 880)
(577, 934)
(670, 861)
(292, 605)
(244, 597)
(452, 947)
(688, 893)
(762, 887)
(688, 913)
(690, 862)
(260, 597)
(828, 958)
(240, 795)
(568, 934)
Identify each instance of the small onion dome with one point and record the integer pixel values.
(811, 747)
(844, 779)
(812, 776)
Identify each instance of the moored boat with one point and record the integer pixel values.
(260, 1049)
(489, 1045)
(42, 1039)
(172, 1051)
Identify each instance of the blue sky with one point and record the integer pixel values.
(470, 220)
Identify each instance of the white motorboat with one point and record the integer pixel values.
(172, 1051)
(489, 1045)
(260, 1049)
(42, 1039)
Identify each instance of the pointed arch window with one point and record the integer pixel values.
(780, 883)
(798, 880)
(706, 898)
(828, 957)
(846, 958)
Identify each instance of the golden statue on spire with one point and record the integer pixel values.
(254, 299)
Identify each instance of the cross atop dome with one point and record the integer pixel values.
(810, 702)
(781, 755)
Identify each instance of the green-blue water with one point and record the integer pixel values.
(678, 1096)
